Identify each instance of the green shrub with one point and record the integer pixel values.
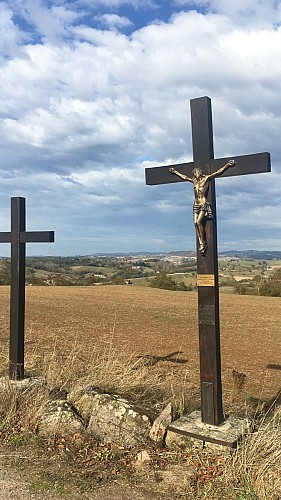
(245, 288)
(163, 281)
(5, 272)
(272, 286)
(166, 282)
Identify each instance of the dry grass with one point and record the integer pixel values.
(258, 461)
(142, 344)
(139, 321)
(252, 472)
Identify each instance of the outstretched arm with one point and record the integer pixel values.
(182, 176)
(220, 171)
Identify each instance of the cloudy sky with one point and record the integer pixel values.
(94, 91)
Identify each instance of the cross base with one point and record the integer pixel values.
(20, 386)
(191, 429)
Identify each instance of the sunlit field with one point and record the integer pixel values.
(157, 324)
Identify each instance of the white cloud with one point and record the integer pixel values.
(110, 89)
(93, 108)
(49, 22)
(253, 11)
(192, 3)
(136, 4)
(246, 12)
(113, 21)
(11, 36)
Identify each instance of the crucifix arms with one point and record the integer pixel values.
(182, 176)
(198, 172)
(230, 163)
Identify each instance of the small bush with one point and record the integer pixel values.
(272, 286)
(245, 288)
(167, 283)
(5, 272)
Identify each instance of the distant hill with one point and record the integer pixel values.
(183, 253)
(253, 254)
(242, 254)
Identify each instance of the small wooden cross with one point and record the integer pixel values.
(207, 262)
(18, 237)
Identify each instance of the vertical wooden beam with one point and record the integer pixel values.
(16, 365)
(208, 296)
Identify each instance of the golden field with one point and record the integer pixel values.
(140, 321)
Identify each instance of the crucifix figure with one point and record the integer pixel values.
(201, 172)
(202, 209)
(18, 237)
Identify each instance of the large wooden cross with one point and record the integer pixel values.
(18, 237)
(207, 263)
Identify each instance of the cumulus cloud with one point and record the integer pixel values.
(11, 35)
(255, 13)
(44, 21)
(84, 110)
(136, 4)
(113, 21)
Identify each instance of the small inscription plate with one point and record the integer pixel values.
(205, 280)
(206, 315)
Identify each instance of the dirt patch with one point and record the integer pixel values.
(45, 475)
(14, 488)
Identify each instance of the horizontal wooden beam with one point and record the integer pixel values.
(37, 237)
(161, 175)
(30, 237)
(5, 237)
(246, 164)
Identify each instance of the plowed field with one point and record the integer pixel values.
(152, 322)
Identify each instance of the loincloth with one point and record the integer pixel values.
(206, 208)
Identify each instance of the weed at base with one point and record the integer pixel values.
(63, 485)
(246, 494)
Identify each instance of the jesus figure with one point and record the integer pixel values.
(202, 210)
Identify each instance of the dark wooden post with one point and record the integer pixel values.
(17, 291)
(207, 271)
(207, 264)
(18, 237)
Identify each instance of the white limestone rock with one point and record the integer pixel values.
(160, 425)
(115, 420)
(58, 418)
(143, 458)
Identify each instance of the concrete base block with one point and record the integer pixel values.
(190, 430)
(21, 386)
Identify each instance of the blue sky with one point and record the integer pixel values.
(94, 91)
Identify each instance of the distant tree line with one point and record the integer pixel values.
(87, 271)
